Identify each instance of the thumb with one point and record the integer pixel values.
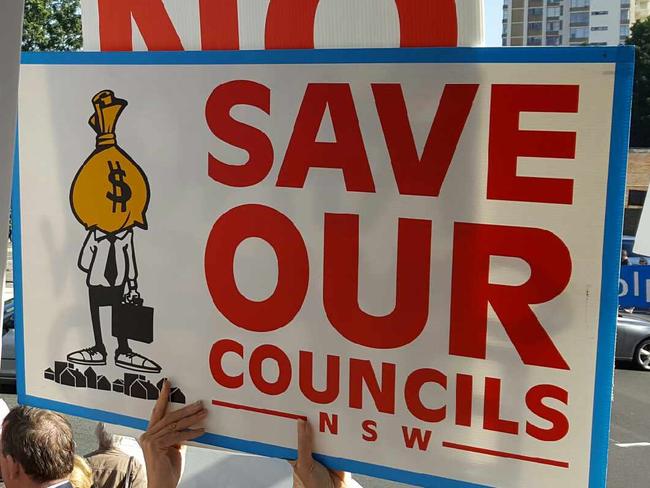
(305, 440)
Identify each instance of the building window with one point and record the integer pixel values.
(554, 12)
(534, 41)
(579, 18)
(599, 28)
(598, 44)
(554, 26)
(579, 3)
(600, 12)
(636, 197)
(625, 31)
(579, 33)
(553, 40)
(625, 16)
(534, 27)
(535, 13)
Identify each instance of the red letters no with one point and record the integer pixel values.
(290, 24)
(228, 232)
(115, 33)
(550, 270)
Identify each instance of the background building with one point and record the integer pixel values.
(570, 22)
(641, 9)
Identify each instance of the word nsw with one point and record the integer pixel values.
(417, 175)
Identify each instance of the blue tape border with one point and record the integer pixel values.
(622, 56)
(341, 56)
(604, 381)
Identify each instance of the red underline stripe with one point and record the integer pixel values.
(510, 455)
(263, 411)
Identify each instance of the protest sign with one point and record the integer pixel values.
(11, 14)
(415, 249)
(193, 25)
(633, 288)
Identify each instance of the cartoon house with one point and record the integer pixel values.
(49, 374)
(132, 385)
(175, 395)
(118, 386)
(91, 378)
(66, 374)
(137, 386)
(103, 383)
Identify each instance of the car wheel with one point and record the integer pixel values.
(642, 355)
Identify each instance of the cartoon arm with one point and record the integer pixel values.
(87, 254)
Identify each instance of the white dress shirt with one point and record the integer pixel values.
(94, 255)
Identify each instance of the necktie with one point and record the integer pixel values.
(110, 272)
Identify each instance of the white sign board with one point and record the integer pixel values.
(11, 15)
(194, 25)
(417, 250)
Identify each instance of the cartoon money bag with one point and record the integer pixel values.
(109, 197)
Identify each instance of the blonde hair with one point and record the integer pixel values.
(82, 475)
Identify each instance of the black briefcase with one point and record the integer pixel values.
(133, 321)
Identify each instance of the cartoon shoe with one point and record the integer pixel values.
(136, 362)
(92, 356)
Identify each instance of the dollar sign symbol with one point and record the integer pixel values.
(121, 192)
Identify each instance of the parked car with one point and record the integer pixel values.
(633, 339)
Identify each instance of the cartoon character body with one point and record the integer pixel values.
(109, 196)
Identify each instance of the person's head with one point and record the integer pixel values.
(82, 475)
(37, 448)
(623, 254)
(105, 439)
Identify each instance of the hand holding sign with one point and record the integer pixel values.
(161, 443)
(307, 472)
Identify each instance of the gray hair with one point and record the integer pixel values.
(106, 439)
(40, 441)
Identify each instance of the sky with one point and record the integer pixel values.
(493, 10)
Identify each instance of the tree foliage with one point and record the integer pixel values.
(640, 130)
(52, 25)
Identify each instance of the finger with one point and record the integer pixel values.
(182, 424)
(342, 475)
(160, 408)
(176, 416)
(305, 440)
(176, 438)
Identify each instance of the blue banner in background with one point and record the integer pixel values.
(634, 286)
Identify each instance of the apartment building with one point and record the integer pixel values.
(641, 9)
(570, 22)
